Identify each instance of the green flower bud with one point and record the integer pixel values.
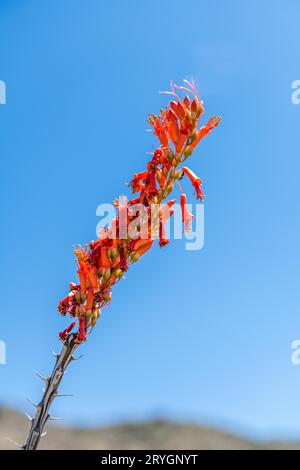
(188, 151)
(134, 257)
(106, 274)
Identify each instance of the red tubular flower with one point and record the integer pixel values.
(178, 108)
(205, 130)
(160, 127)
(64, 334)
(163, 241)
(137, 182)
(150, 184)
(173, 126)
(96, 253)
(123, 258)
(137, 200)
(196, 182)
(92, 277)
(82, 279)
(158, 156)
(157, 159)
(81, 335)
(160, 177)
(166, 211)
(180, 141)
(197, 107)
(67, 303)
(64, 305)
(187, 101)
(178, 135)
(187, 217)
(141, 246)
(73, 311)
(74, 286)
(90, 299)
(103, 261)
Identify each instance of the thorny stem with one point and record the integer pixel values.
(50, 392)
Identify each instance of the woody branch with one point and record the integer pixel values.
(50, 392)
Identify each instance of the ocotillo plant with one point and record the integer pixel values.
(139, 221)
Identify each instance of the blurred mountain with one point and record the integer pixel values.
(141, 435)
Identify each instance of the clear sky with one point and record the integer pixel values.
(204, 335)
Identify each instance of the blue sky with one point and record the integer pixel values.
(204, 335)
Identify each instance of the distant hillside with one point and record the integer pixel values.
(147, 435)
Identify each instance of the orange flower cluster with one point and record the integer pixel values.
(102, 263)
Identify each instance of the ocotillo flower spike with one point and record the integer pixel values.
(102, 263)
